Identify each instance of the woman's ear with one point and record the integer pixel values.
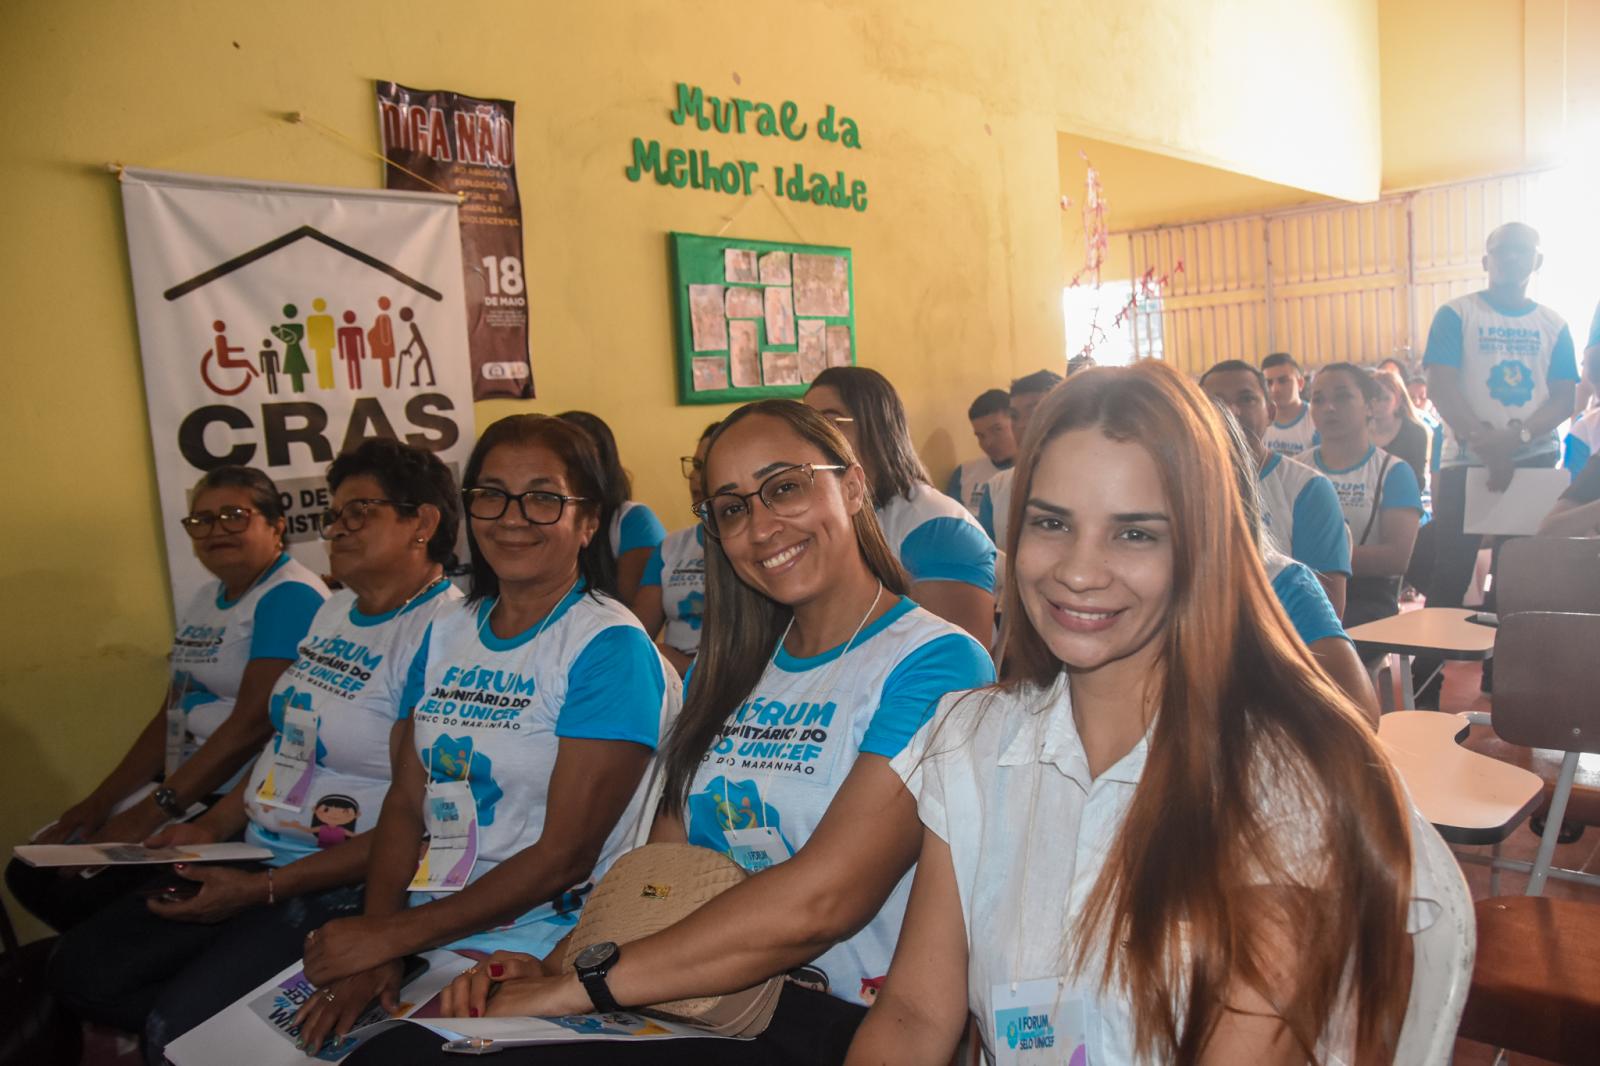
(588, 525)
(427, 522)
(854, 485)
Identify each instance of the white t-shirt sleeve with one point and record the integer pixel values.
(282, 618)
(953, 663)
(411, 694)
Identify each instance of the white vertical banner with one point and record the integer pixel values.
(280, 325)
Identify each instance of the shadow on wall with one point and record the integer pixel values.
(938, 451)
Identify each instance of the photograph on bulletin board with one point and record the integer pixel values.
(757, 319)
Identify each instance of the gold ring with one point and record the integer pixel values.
(328, 996)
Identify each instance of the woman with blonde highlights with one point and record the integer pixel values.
(1165, 835)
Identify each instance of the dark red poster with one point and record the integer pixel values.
(465, 145)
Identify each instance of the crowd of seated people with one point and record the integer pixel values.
(1093, 740)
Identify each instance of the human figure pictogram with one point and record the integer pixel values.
(269, 365)
(417, 348)
(290, 334)
(320, 339)
(352, 348)
(380, 339)
(223, 353)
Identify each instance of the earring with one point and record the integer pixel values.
(422, 540)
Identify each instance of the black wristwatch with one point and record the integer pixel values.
(592, 964)
(167, 800)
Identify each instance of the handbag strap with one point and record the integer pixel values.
(1377, 499)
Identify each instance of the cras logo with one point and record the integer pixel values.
(276, 708)
(449, 759)
(1511, 383)
(723, 805)
(316, 348)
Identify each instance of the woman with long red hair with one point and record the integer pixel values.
(1165, 835)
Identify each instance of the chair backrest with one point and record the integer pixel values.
(1547, 574)
(1547, 681)
(1441, 954)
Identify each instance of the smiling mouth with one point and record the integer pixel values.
(786, 556)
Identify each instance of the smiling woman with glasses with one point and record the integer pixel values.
(814, 670)
(234, 637)
(530, 714)
(183, 958)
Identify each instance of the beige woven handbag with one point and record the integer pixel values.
(653, 887)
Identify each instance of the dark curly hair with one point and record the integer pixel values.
(411, 477)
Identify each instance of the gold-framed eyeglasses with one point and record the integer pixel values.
(200, 524)
(354, 514)
(786, 494)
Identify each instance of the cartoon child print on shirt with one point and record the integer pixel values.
(870, 987)
(333, 819)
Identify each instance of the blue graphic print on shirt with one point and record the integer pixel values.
(724, 805)
(290, 697)
(455, 760)
(1511, 382)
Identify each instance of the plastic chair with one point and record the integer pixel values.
(1548, 574)
(1442, 954)
(1547, 695)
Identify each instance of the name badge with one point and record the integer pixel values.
(1040, 1022)
(452, 819)
(756, 849)
(294, 764)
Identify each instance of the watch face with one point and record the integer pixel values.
(595, 955)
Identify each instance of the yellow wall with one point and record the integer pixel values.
(959, 257)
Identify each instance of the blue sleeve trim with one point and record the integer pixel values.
(949, 549)
(986, 512)
(411, 694)
(1400, 488)
(652, 568)
(1320, 538)
(1563, 360)
(1444, 339)
(1577, 454)
(282, 619)
(614, 690)
(952, 663)
(1307, 604)
(640, 529)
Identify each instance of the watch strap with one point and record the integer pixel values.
(594, 983)
(167, 800)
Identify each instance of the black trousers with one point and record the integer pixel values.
(808, 1029)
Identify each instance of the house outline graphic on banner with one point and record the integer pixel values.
(261, 251)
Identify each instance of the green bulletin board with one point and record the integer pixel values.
(758, 319)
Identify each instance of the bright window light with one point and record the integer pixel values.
(1091, 317)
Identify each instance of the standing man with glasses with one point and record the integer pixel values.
(234, 637)
(1501, 373)
(672, 594)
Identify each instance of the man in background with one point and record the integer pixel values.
(990, 415)
(1290, 433)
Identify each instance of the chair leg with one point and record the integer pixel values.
(1402, 663)
(1552, 826)
(1494, 869)
(1385, 691)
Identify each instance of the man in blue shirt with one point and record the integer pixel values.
(1501, 372)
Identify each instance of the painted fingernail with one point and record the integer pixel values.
(472, 1012)
(495, 969)
(180, 866)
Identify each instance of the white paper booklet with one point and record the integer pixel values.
(489, 1033)
(1520, 508)
(135, 854)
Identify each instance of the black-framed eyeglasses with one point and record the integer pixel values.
(691, 464)
(538, 507)
(232, 520)
(786, 494)
(354, 514)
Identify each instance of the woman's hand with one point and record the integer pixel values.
(223, 893)
(131, 826)
(334, 1008)
(467, 995)
(80, 820)
(543, 996)
(348, 946)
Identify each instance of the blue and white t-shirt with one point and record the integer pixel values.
(351, 673)
(784, 753)
(1358, 489)
(492, 711)
(994, 506)
(936, 539)
(1583, 440)
(216, 639)
(1303, 598)
(635, 526)
(1505, 362)
(678, 565)
(1301, 514)
(1291, 439)
(966, 481)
